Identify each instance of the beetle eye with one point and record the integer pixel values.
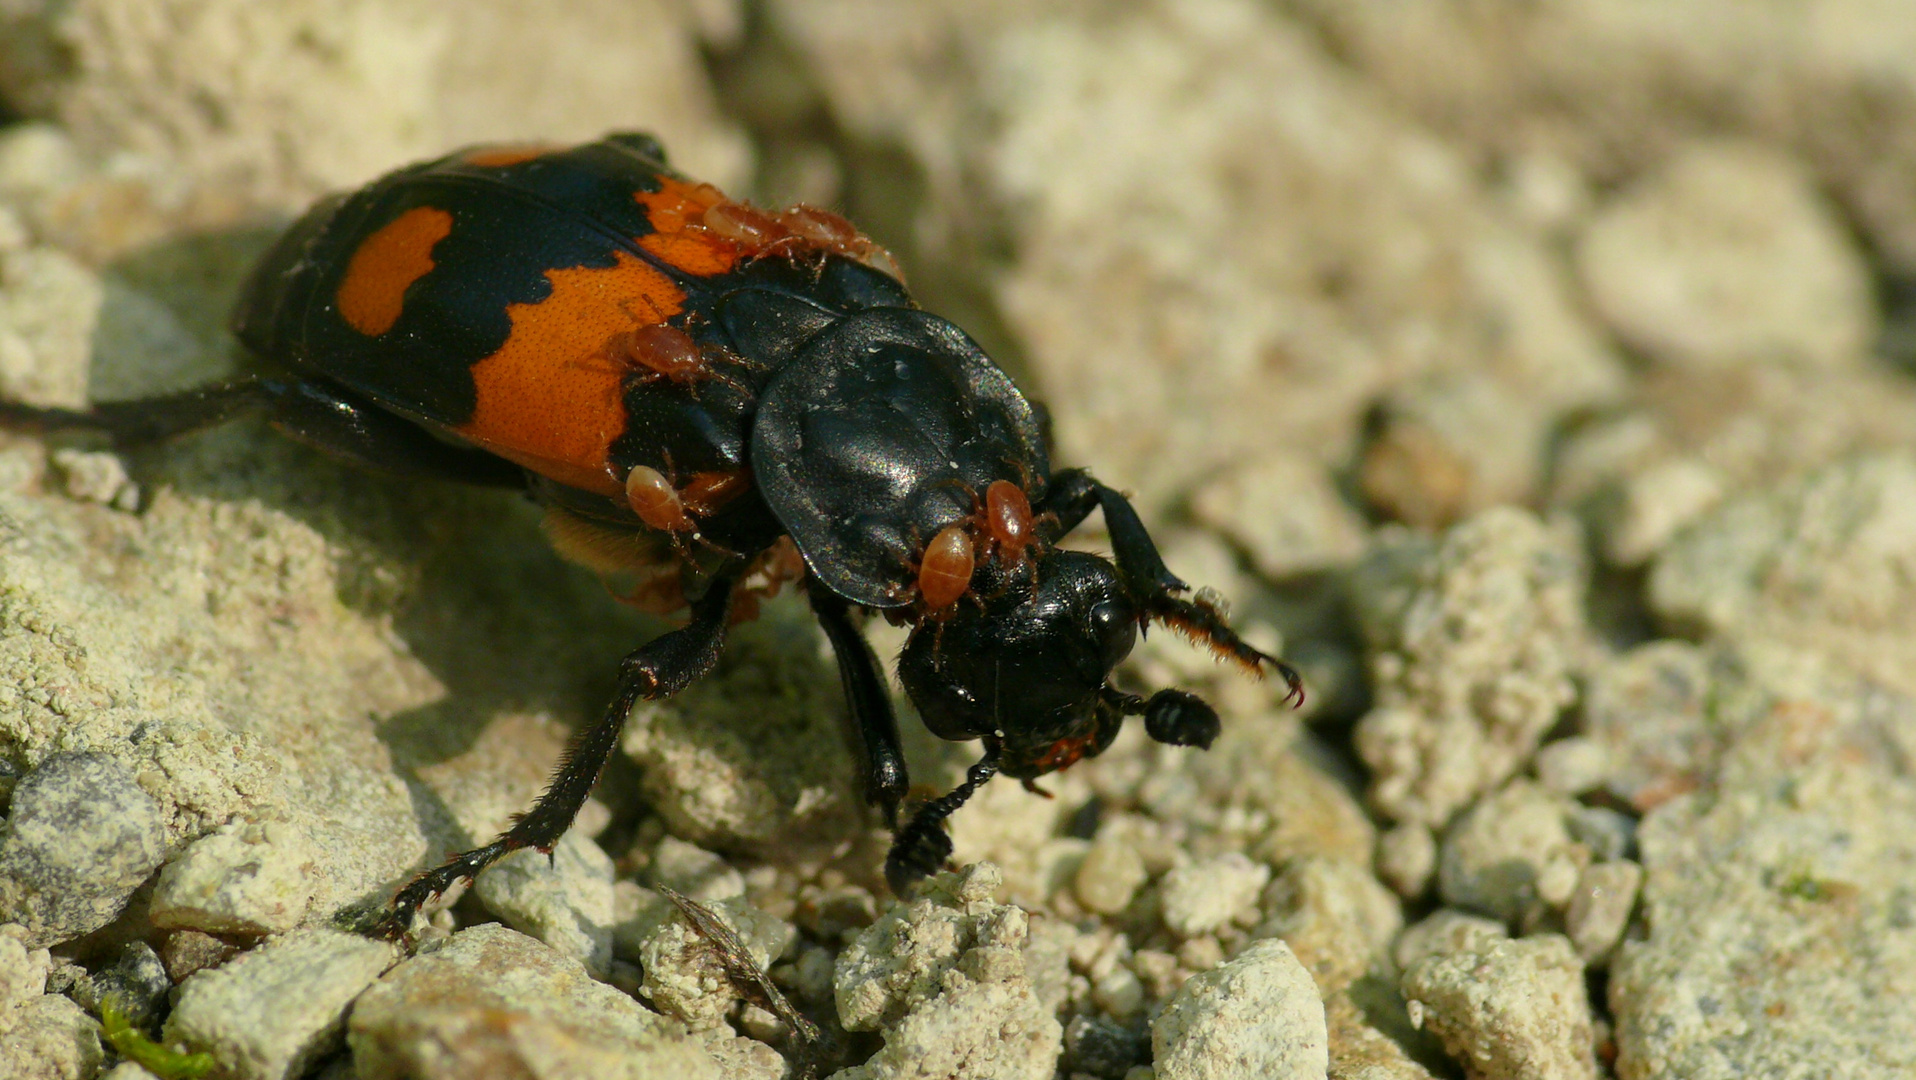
(1114, 629)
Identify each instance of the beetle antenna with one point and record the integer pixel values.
(920, 848)
(1202, 623)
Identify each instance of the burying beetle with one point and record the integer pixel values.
(684, 382)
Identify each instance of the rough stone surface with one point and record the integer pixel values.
(1476, 639)
(1444, 932)
(1450, 446)
(1337, 919)
(1255, 1016)
(753, 757)
(1208, 895)
(1109, 875)
(1777, 898)
(51, 1038)
(81, 836)
(242, 879)
(1726, 255)
(1283, 509)
(1823, 564)
(273, 1013)
(1599, 910)
(1516, 1009)
(289, 74)
(564, 901)
(683, 979)
(946, 976)
(1511, 855)
(492, 1002)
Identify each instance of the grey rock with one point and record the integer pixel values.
(1338, 920)
(1572, 766)
(693, 871)
(1407, 858)
(1448, 447)
(23, 970)
(274, 1012)
(1476, 638)
(136, 984)
(1600, 908)
(1103, 1048)
(1256, 1017)
(1650, 711)
(1285, 510)
(1511, 854)
(1110, 874)
(726, 771)
(489, 1001)
(564, 900)
(1516, 1010)
(81, 836)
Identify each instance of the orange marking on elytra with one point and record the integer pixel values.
(670, 210)
(546, 399)
(373, 292)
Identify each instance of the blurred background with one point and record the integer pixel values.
(1541, 374)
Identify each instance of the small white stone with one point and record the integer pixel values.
(1571, 766)
(1257, 1017)
(1600, 908)
(272, 1013)
(1110, 875)
(1207, 895)
(238, 880)
(565, 900)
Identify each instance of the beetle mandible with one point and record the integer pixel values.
(693, 388)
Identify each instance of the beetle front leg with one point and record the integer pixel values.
(1071, 496)
(660, 668)
(886, 778)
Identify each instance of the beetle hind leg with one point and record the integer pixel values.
(660, 668)
(321, 415)
(148, 420)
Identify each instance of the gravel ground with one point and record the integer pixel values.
(1536, 376)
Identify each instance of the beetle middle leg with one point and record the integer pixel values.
(659, 669)
(886, 778)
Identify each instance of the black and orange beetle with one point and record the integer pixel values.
(695, 389)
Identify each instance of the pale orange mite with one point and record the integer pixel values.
(821, 227)
(1008, 520)
(662, 350)
(744, 225)
(945, 572)
(655, 500)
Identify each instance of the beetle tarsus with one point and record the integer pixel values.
(920, 849)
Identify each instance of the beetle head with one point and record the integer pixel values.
(1028, 669)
